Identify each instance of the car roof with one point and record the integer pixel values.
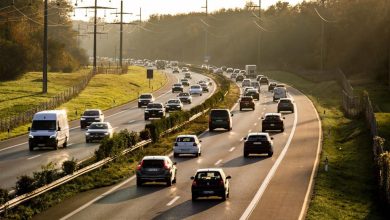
(104, 122)
(259, 133)
(210, 169)
(289, 99)
(186, 135)
(93, 110)
(273, 114)
(155, 158)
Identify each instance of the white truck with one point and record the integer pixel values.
(279, 93)
(250, 71)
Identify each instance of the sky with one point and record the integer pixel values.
(150, 7)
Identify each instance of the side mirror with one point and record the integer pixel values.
(272, 138)
(228, 177)
(192, 177)
(262, 118)
(284, 118)
(28, 128)
(232, 114)
(244, 138)
(200, 141)
(59, 129)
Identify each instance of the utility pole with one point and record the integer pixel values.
(206, 56)
(121, 32)
(322, 39)
(259, 35)
(45, 48)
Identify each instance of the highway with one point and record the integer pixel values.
(261, 187)
(17, 160)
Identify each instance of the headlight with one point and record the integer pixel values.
(160, 111)
(82, 119)
(106, 133)
(53, 136)
(87, 133)
(97, 119)
(146, 111)
(30, 136)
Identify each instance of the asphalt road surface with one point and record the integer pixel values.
(261, 187)
(17, 160)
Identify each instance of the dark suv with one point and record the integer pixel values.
(89, 116)
(263, 81)
(285, 104)
(272, 121)
(220, 118)
(154, 110)
(240, 78)
(145, 99)
(247, 102)
(258, 143)
(177, 87)
(271, 87)
(156, 169)
(210, 182)
(254, 93)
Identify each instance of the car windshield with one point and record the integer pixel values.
(184, 94)
(152, 163)
(185, 139)
(154, 105)
(272, 117)
(210, 175)
(146, 96)
(174, 101)
(257, 138)
(252, 91)
(184, 80)
(195, 87)
(219, 113)
(177, 85)
(43, 125)
(285, 101)
(91, 113)
(246, 99)
(98, 126)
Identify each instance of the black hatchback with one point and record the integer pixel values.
(258, 143)
(210, 182)
(272, 121)
(156, 169)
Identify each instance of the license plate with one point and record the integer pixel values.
(219, 120)
(153, 169)
(208, 192)
(41, 145)
(272, 124)
(257, 143)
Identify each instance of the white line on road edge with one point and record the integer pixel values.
(173, 200)
(70, 144)
(232, 149)
(132, 121)
(96, 199)
(271, 173)
(74, 128)
(218, 162)
(30, 158)
(12, 146)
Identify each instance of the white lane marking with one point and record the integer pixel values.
(13, 146)
(218, 162)
(11, 192)
(132, 121)
(315, 167)
(70, 144)
(30, 158)
(232, 149)
(173, 200)
(252, 205)
(74, 128)
(86, 205)
(116, 114)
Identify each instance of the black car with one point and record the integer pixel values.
(173, 105)
(145, 99)
(240, 78)
(90, 116)
(258, 143)
(205, 87)
(247, 102)
(263, 81)
(220, 118)
(210, 182)
(272, 121)
(285, 104)
(185, 97)
(154, 110)
(254, 93)
(177, 87)
(258, 77)
(156, 169)
(271, 87)
(185, 82)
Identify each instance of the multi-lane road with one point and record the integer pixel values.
(17, 160)
(261, 187)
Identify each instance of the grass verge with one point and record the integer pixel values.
(348, 190)
(105, 91)
(116, 171)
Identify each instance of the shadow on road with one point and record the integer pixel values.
(131, 192)
(242, 161)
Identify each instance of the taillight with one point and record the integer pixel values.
(140, 165)
(195, 145)
(221, 183)
(175, 143)
(166, 165)
(194, 183)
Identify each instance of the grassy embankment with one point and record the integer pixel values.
(104, 91)
(348, 189)
(118, 170)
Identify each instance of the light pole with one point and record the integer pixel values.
(45, 49)
(206, 56)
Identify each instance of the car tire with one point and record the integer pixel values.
(228, 194)
(175, 155)
(282, 129)
(211, 129)
(253, 108)
(146, 118)
(56, 146)
(263, 130)
(270, 154)
(139, 106)
(65, 144)
(169, 182)
(240, 109)
(87, 141)
(200, 94)
(139, 182)
(30, 147)
(246, 154)
(230, 128)
(194, 197)
(223, 197)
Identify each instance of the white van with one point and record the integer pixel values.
(49, 129)
(279, 93)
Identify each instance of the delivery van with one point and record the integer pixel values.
(49, 129)
(279, 93)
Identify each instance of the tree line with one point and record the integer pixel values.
(21, 38)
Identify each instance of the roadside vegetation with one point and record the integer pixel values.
(104, 91)
(349, 189)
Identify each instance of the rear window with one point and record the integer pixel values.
(272, 117)
(285, 101)
(257, 138)
(246, 99)
(177, 85)
(185, 139)
(173, 101)
(152, 163)
(184, 94)
(154, 105)
(91, 113)
(98, 126)
(219, 113)
(211, 175)
(195, 87)
(146, 96)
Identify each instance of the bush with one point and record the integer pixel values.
(25, 184)
(145, 134)
(13, 60)
(68, 68)
(113, 146)
(4, 197)
(46, 176)
(69, 166)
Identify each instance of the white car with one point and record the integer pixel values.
(246, 83)
(98, 131)
(187, 144)
(218, 71)
(196, 89)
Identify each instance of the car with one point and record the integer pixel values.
(229, 70)
(246, 82)
(154, 110)
(243, 72)
(218, 71)
(188, 75)
(258, 143)
(272, 121)
(233, 75)
(271, 86)
(224, 68)
(209, 81)
(177, 87)
(237, 71)
(89, 116)
(220, 118)
(255, 85)
(99, 131)
(175, 70)
(210, 182)
(239, 78)
(201, 81)
(144, 99)
(264, 81)
(196, 89)
(185, 82)
(258, 77)
(254, 93)
(173, 105)
(285, 104)
(247, 102)
(280, 86)
(204, 67)
(245, 89)
(187, 144)
(156, 169)
(205, 87)
(185, 69)
(185, 97)
(279, 93)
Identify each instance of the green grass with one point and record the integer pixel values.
(379, 95)
(105, 91)
(348, 190)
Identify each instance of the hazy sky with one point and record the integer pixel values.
(164, 6)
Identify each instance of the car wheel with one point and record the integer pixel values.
(223, 196)
(175, 154)
(56, 146)
(228, 194)
(253, 108)
(139, 182)
(65, 144)
(246, 154)
(146, 118)
(282, 129)
(230, 128)
(30, 147)
(139, 106)
(263, 130)
(169, 182)
(200, 94)
(194, 197)
(211, 129)
(86, 141)
(270, 154)
(240, 109)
